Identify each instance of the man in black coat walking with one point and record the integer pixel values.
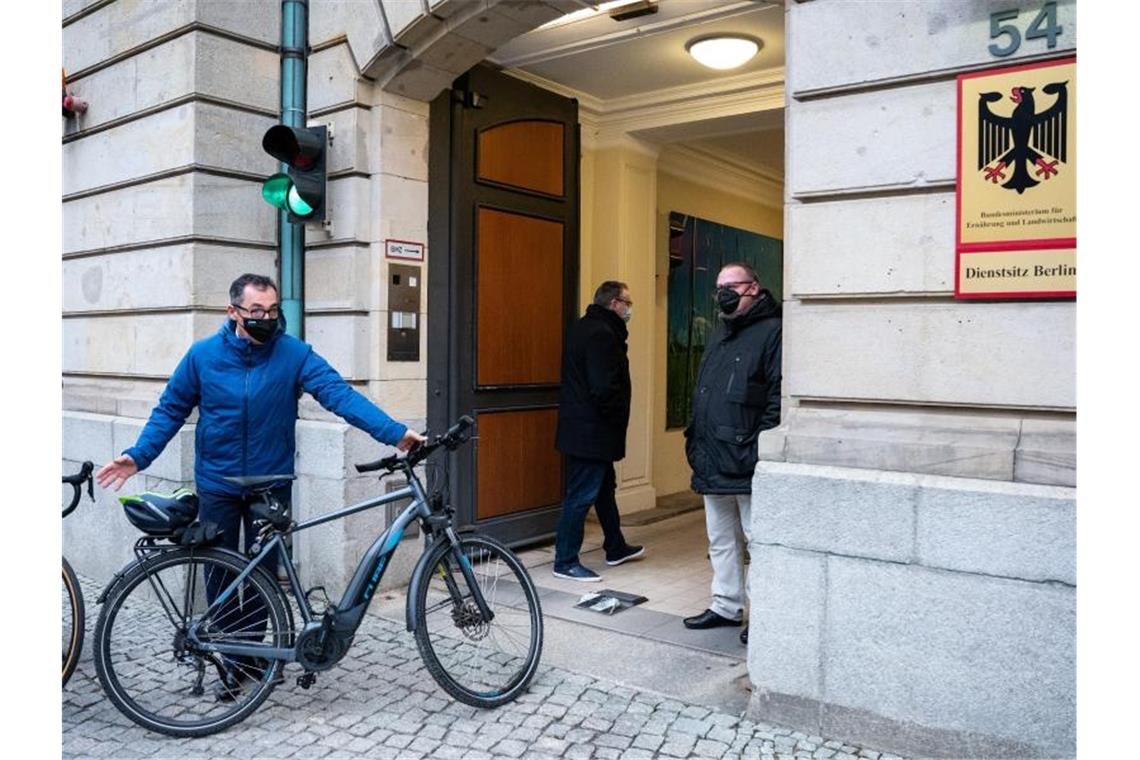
(593, 413)
(736, 396)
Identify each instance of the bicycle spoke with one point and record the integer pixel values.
(154, 673)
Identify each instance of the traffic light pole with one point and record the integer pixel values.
(294, 109)
(294, 113)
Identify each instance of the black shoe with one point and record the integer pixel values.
(709, 619)
(744, 636)
(625, 554)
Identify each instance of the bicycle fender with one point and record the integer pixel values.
(115, 581)
(118, 577)
(419, 576)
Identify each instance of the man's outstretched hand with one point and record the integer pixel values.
(116, 472)
(410, 440)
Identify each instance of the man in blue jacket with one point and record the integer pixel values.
(246, 381)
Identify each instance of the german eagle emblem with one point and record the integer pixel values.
(1025, 140)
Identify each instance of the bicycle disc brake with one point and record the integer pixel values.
(469, 620)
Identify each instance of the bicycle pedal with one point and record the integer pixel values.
(307, 680)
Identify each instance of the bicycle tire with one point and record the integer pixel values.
(73, 633)
(454, 640)
(152, 576)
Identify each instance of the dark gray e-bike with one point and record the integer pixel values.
(176, 663)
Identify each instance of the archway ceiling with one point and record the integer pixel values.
(632, 77)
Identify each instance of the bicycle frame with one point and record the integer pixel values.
(366, 578)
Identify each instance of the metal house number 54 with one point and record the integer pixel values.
(1043, 25)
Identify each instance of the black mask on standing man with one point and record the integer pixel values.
(728, 299)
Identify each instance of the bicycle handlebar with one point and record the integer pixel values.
(76, 482)
(451, 440)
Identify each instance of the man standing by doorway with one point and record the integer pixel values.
(245, 381)
(593, 413)
(736, 396)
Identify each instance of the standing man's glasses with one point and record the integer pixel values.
(733, 285)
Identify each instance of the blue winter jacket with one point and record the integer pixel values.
(247, 397)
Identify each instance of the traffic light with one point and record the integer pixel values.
(300, 190)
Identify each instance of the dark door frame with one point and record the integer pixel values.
(451, 227)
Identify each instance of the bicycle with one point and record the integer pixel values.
(471, 606)
(73, 610)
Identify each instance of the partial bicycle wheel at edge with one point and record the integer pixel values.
(153, 674)
(73, 621)
(481, 663)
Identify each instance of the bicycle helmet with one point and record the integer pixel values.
(160, 514)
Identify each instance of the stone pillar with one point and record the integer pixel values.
(377, 191)
(161, 211)
(913, 525)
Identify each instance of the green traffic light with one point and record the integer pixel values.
(276, 189)
(280, 192)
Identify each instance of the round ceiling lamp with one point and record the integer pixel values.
(724, 51)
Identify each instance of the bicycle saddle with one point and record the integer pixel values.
(253, 481)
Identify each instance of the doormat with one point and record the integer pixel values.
(609, 602)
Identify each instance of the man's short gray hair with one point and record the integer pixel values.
(608, 291)
(258, 281)
(748, 270)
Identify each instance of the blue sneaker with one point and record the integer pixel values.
(578, 573)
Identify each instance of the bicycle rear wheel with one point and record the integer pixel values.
(160, 680)
(73, 621)
(483, 663)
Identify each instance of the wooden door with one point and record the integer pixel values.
(502, 279)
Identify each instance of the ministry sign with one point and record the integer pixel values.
(1017, 182)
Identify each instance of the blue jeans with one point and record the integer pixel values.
(232, 513)
(588, 482)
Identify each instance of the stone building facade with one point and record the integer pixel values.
(918, 500)
(913, 555)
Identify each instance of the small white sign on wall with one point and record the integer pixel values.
(404, 249)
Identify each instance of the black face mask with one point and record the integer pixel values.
(727, 299)
(262, 330)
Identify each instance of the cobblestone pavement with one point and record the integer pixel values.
(380, 702)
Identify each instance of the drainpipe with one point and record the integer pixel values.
(294, 107)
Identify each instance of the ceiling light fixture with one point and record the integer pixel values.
(724, 51)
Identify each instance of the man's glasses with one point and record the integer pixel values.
(733, 285)
(259, 313)
(626, 301)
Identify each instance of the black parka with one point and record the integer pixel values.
(593, 409)
(736, 396)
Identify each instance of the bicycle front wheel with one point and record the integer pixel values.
(155, 675)
(72, 621)
(480, 662)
